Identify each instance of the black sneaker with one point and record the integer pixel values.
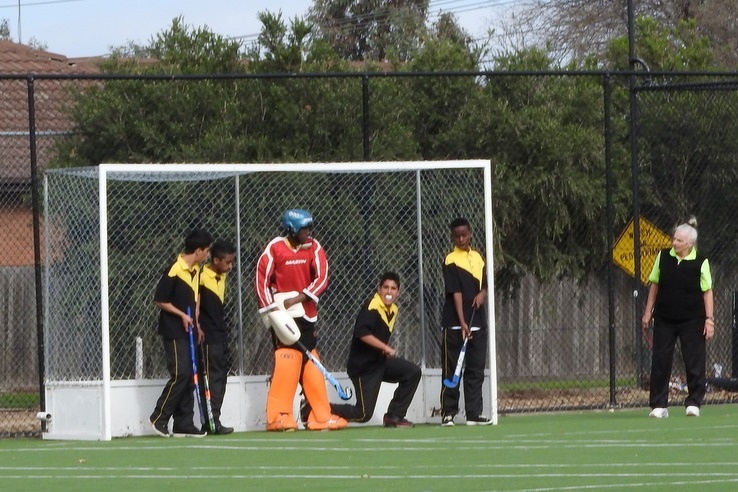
(161, 428)
(447, 421)
(222, 430)
(390, 421)
(478, 420)
(188, 431)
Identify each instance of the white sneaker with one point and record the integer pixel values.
(693, 411)
(659, 413)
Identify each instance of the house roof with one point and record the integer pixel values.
(21, 59)
(50, 99)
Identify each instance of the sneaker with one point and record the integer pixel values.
(659, 413)
(221, 430)
(478, 420)
(693, 411)
(390, 421)
(160, 428)
(448, 421)
(188, 431)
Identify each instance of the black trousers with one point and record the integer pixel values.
(472, 376)
(692, 340)
(366, 389)
(177, 398)
(216, 365)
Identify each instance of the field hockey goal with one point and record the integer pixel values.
(112, 229)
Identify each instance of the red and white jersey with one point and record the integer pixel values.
(282, 268)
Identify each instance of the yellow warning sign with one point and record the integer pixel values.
(652, 241)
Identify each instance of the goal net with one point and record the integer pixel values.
(111, 231)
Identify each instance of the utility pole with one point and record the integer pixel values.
(19, 23)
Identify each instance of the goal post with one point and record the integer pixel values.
(111, 230)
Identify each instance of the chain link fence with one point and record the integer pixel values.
(688, 165)
(369, 223)
(568, 336)
(19, 362)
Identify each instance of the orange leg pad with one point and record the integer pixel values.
(313, 383)
(287, 365)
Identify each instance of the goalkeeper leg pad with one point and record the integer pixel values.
(313, 383)
(287, 365)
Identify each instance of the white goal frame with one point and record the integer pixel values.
(106, 408)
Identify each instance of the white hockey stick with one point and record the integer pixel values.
(454, 381)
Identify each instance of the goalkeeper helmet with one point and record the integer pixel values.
(295, 219)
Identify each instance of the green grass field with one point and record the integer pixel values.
(620, 450)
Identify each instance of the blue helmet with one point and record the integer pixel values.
(295, 219)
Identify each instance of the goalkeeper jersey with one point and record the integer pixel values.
(282, 268)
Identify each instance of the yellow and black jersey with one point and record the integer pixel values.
(463, 271)
(178, 285)
(212, 312)
(373, 319)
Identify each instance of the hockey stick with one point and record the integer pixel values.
(454, 381)
(344, 394)
(194, 368)
(206, 384)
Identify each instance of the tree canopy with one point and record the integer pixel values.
(4, 29)
(577, 29)
(543, 133)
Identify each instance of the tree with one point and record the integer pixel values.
(544, 136)
(190, 50)
(37, 45)
(134, 121)
(279, 48)
(677, 48)
(687, 133)
(4, 29)
(376, 30)
(717, 20)
(576, 29)
(439, 103)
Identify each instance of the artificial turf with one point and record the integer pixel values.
(597, 450)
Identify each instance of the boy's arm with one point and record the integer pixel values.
(459, 308)
(320, 280)
(479, 299)
(264, 270)
(199, 333)
(481, 296)
(378, 344)
(170, 308)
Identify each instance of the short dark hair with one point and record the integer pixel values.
(458, 222)
(221, 248)
(197, 239)
(389, 276)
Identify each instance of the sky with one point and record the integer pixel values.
(79, 28)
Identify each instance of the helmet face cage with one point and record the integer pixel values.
(295, 219)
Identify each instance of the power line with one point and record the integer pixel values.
(382, 15)
(35, 4)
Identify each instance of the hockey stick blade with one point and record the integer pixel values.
(454, 382)
(451, 383)
(344, 394)
(206, 383)
(195, 378)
